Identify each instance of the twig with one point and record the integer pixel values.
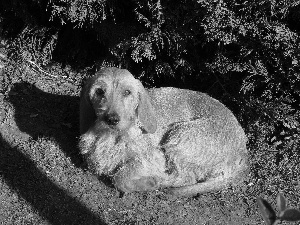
(40, 69)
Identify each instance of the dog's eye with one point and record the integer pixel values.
(127, 92)
(99, 92)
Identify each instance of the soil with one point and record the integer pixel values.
(43, 179)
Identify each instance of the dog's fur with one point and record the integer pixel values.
(183, 141)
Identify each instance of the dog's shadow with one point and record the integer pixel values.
(42, 114)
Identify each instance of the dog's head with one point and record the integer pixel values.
(115, 97)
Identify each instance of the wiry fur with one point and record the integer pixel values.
(166, 138)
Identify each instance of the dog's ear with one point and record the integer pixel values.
(87, 112)
(146, 111)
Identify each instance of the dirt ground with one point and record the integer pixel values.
(43, 179)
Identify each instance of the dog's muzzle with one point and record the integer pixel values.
(112, 119)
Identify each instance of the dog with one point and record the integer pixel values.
(177, 140)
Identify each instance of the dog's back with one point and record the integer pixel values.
(177, 105)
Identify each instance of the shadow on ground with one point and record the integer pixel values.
(52, 203)
(38, 113)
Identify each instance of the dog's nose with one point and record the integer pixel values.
(112, 119)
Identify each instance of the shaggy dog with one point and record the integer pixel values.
(179, 140)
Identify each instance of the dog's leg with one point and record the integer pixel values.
(145, 172)
(129, 179)
(222, 181)
(199, 150)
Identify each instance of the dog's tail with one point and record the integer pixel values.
(199, 188)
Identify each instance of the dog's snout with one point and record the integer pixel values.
(112, 119)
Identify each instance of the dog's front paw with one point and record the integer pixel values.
(146, 184)
(140, 184)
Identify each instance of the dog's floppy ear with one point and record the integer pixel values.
(145, 111)
(87, 112)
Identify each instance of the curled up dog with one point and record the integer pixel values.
(179, 140)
